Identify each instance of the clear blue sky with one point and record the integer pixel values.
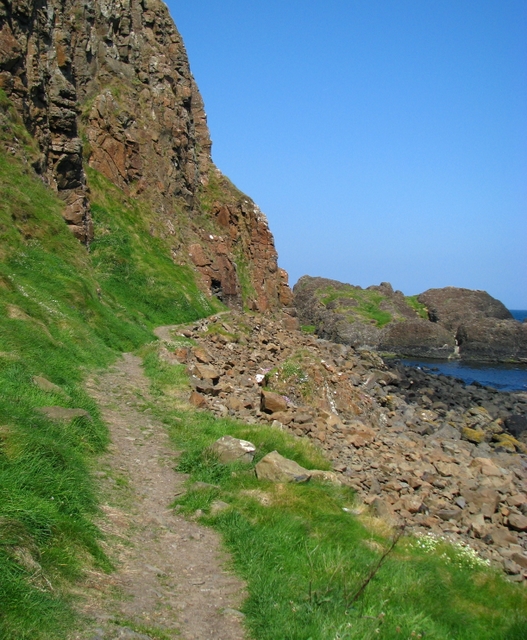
(386, 140)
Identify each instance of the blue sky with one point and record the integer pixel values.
(386, 140)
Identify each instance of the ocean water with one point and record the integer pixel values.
(519, 314)
(505, 377)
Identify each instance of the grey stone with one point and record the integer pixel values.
(276, 468)
(229, 449)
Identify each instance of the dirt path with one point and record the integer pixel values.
(171, 574)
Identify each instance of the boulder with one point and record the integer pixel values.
(46, 385)
(271, 402)
(276, 468)
(518, 522)
(484, 501)
(516, 425)
(229, 449)
(206, 372)
(198, 400)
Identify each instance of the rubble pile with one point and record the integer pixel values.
(426, 450)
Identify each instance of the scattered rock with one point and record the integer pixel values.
(198, 400)
(391, 432)
(518, 522)
(229, 449)
(46, 385)
(206, 372)
(272, 402)
(218, 506)
(202, 486)
(276, 468)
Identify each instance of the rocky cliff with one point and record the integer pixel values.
(107, 85)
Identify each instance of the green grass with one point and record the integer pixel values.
(305, 558)
(367, 307)
(417, 306)
(134, 267)
(63, 313)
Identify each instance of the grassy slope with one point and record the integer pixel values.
(305, 557)
(63, 311)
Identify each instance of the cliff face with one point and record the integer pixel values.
(107, 84)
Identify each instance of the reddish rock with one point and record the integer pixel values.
(206, 372)
(182, 354)
(482, 500)
(198, 400)
(109, 86)
(198, 256)
(202, 355)
(271, 402)
(517, 522)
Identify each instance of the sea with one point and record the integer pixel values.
(504, 377)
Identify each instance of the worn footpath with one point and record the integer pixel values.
(171, 577)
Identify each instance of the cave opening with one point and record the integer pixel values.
(216, 289)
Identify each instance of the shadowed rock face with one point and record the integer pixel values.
(107, 84)
(417, 338)
(472, 323)
(491, 339)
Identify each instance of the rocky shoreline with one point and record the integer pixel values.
(441, 457)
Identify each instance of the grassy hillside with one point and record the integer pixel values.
(63, 311)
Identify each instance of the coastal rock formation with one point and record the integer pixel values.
(417, 338)
(377, 318)
(439, 323)
(483, 327)
(107, 85)
(490, 339)
(454, 306)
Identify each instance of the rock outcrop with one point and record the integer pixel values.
(483, 327)
(107, 85)
(454, 306)
(376, 318)
(439, 323)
